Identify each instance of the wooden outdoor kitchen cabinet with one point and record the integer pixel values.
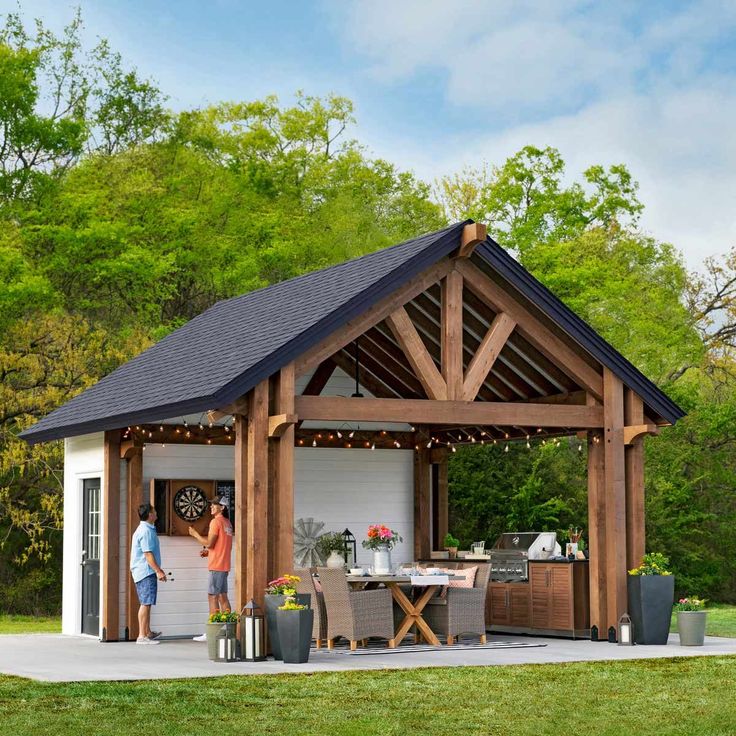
(560, 597)
(508, 605)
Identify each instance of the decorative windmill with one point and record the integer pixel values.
(306, 535)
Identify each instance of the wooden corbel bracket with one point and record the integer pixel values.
(130, 448)
(279, 423)
(635, 431)
(472, 235)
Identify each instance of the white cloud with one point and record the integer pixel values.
(599, 83)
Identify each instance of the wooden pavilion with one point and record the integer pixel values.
(449, 335)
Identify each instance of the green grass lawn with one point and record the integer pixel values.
(29, 624)
(647, 698)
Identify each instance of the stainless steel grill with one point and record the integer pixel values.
(512, 551)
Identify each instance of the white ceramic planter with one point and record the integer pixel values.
(382, 561)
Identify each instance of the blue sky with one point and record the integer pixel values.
(439, 85)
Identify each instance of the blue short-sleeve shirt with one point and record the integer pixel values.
(145, 539)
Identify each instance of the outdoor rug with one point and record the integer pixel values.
(379, 647)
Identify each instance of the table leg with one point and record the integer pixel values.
(413, 614)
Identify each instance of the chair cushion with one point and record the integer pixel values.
(468, 573)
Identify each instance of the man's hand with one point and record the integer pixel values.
(204, 552)
(193, 532)
(161, 575)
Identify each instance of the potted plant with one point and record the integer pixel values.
(451, 544)
(295, 622)
(221, 624)
(381, 540)
(691, 617)
(331, 548)
(277, 592)
(651, 588)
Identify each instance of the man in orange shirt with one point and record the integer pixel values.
(217, 549)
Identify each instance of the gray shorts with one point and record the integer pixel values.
(216, 582)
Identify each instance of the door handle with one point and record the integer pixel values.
(84, 555)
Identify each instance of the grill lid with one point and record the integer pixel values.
(515, 541)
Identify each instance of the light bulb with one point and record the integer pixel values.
(454, 449)
(373, 446)
(314, 443)
(506, 449)
(429, 444)
(339, 434)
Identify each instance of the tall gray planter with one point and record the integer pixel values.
(272, 604)
(295, 634)
(650, 607)
(691, 628)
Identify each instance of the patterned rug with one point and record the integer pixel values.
(379, 647)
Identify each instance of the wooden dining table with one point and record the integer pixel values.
(412, 609)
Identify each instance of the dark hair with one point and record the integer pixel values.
(144, 511)
(226, 512)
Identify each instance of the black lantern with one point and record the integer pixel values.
(350, 549)
(252, 641)
(625, 631)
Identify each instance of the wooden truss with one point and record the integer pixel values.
(450, 350)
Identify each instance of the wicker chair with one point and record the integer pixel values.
(306, 585)
(461, 610)
(355, 614)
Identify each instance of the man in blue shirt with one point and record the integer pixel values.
(145, 567)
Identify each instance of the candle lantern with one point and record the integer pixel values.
(350, 550)
(252, 642)
(625, 631)
(226, 646)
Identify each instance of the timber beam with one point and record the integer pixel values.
(418, 411)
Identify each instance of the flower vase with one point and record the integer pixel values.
(382, 560)
(335, 560)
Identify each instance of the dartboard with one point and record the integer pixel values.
(190, 503)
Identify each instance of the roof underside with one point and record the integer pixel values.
(222, 353)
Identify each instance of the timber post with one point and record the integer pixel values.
(110, 618)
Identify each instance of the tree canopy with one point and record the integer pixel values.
(120, 220)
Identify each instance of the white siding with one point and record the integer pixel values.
(343, 488)
(83, 458)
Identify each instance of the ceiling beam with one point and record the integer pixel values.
(418, 411)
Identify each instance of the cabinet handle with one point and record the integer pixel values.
(507, 597)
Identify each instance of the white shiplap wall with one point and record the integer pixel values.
(343, 488)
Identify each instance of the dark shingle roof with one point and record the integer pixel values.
(225, 351)
(236, 343)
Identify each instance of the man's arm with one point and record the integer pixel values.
(209, 540)
(151, 560)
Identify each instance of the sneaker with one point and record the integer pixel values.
(146, 640)
(201, 637)
(155, 635)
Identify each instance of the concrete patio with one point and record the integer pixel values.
(58, 658)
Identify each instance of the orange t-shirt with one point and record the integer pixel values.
(218, 558)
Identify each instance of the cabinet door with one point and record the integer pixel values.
(561, 597)
(519, 604)
(539, 579)
(499, 608)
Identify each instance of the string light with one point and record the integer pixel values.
(339, 434)
(314, 443)
(454, 449)
(580, 446)
(429, 444)
(373, 446)
(506, 449)
(161, 428)
(301, 442)
(351, 435)
(186, 424)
